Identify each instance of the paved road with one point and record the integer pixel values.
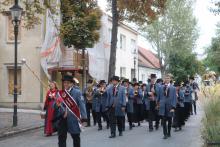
(138, 137)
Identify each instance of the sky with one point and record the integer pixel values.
(206, 24)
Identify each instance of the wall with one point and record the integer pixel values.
(28, 48)
(147, 72)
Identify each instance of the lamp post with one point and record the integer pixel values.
(16, 11)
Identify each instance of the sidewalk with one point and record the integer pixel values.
(27, 120)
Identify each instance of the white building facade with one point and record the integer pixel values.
(125, 55)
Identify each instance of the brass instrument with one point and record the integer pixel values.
(89, 91)
(136, 93)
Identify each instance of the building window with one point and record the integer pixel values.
(11, 80)
(122, 42)
(133, 45)
(122, 71)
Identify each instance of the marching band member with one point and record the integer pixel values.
(90, 102)
(152, 92)
(138, 104)
(116, 104)
(129, 102)
(178, 120)
(195, 88)
(167, 103)
(187, 99)
(70, 121)
(101, 98)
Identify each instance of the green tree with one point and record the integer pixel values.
(212, 61)
(184, 65)
(139, 12)
(81, 24)
(175, 32)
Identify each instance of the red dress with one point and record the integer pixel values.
(48, 106)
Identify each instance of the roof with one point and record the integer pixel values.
(147, 58)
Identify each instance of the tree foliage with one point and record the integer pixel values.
(81, 23)
(184, 65)
(173, 33)
(212, 61)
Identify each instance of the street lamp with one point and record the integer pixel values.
(16, 12)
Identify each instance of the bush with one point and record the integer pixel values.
(211, 120)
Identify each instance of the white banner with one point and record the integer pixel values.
(51, 50)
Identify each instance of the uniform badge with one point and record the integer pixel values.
(63, 94)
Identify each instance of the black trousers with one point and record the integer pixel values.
(194, 106)
(99, 118)
(187, 106)
(113, 120)
(62, 135)
(130, 118)
(88, 110)
(123, 123)
(167, 123)
(153, 115)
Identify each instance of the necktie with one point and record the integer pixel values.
(114, 91)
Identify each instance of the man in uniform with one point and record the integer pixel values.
(88, 94)
(167, 103)
(129, 101)
(195, 88)
(152, 92)
(101, 98)
(69, 122)
(116, 104)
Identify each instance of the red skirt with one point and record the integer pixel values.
(48, 129)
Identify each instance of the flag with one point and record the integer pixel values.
(51, 50)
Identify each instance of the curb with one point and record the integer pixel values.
(15, 132)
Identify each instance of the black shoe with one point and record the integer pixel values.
(112, 136)
(100, 128)
(165, 137)
(151, 130)
(139, 124)
(168, 135)
(156, 127)
(133, 125)
(120, 134)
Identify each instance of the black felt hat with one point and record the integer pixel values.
(136, 84)
(153, 76)
(102, 82)
(68, 78)
(116, 78)
(126, 81)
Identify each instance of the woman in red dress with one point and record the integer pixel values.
(48, 107)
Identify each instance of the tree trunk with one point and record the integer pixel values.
(112, 62)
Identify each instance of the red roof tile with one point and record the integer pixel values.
(147, 58)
